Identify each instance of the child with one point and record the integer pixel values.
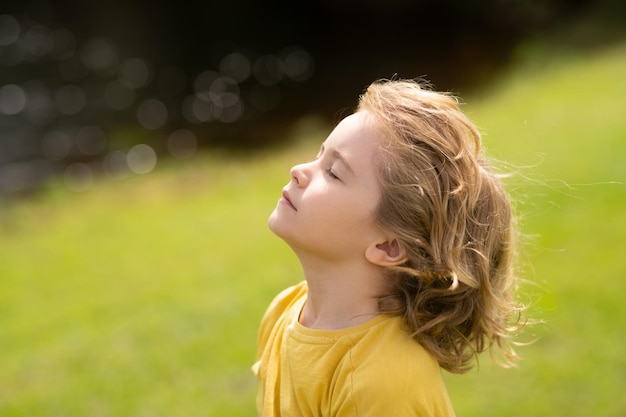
(406, 241)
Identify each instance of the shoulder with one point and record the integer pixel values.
(389, 350)
(279, 306)
(285, 299)
(395, 375)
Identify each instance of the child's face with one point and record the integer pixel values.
(328, 206)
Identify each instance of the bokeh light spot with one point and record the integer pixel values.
(141, 159)
(135, 73)
(204, 81)
(116, 164)
(9, 30)
(13, 99)
(182, 143)
(236, 66)
(91, 140)
(37, 41)
(187, 109)
(298, 64)
(152, 114)
(224, 92)
(99, 55)
(232, 113)
(202, 110)
(40, 108)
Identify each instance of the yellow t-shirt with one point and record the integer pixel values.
(373, 369)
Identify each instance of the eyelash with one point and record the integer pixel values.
(329, 171)
(331, 174)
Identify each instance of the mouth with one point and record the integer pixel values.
(287, 200)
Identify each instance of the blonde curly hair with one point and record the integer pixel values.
(452, 216)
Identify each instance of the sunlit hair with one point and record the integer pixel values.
(449, 211)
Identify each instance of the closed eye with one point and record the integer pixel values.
(332, 174)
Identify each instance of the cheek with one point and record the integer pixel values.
(346, 216)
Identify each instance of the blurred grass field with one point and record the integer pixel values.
(142, 296)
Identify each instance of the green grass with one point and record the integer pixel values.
(565, 127)
(141, 296)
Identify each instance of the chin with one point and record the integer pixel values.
(274, 223)
(280, 230)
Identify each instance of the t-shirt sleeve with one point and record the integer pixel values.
(406, 385)
(276, 309)
(386, 397)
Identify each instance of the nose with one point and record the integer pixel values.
(300, 175)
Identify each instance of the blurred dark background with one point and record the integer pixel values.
(100, 87)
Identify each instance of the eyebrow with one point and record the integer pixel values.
(337, 155)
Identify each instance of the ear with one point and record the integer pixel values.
(387, 253)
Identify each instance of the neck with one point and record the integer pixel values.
(340, 294)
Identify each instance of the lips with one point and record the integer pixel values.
(287, 200)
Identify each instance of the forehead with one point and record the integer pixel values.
(357, 143)
(355, 130)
